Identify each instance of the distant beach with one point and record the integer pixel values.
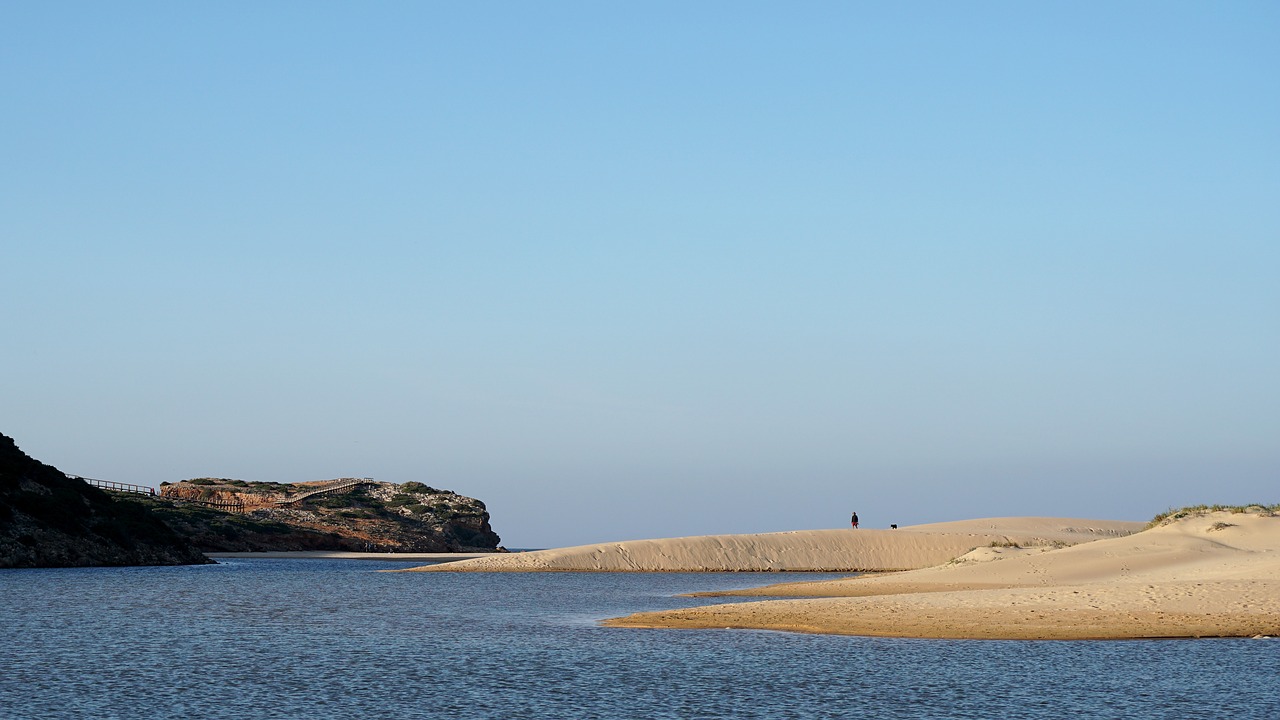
(842, 550)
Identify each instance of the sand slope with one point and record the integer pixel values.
(842, 550)
(1216, 574)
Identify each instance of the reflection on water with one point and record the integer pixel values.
(318, 639)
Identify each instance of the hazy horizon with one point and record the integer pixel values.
(652, 271)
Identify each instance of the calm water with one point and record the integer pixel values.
(334, 639)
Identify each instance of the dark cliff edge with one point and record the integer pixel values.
(50, 520)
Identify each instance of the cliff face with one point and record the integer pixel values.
(50, 520)
(354, 514)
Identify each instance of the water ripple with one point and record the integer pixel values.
(261, 639)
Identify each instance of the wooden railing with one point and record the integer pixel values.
(329, 487)
(234, 506)
(118, 487)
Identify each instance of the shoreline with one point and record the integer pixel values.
(1217, 610)
(1207, 574)
(347, 555)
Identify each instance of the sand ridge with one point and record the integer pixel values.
(842, 550)
(1215, 574)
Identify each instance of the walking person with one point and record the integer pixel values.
(854, 521)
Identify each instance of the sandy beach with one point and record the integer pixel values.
(344, 555)
(1208, 575)
(842, 550)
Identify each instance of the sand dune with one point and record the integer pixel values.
(1215, 574)
(842, 550)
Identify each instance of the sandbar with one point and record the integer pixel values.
(1213, 574)
(838, 550)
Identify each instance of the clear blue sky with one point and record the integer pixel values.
(651, 270)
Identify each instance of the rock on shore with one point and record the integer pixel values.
(345, 514)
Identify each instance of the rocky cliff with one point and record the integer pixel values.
(354, 514)
(50, 520)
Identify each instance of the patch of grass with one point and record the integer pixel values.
(1194, 510)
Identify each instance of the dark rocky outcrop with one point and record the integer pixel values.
(50, 520)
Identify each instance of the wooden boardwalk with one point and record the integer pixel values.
(237, 506)
(117, 487)
(332, 486)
